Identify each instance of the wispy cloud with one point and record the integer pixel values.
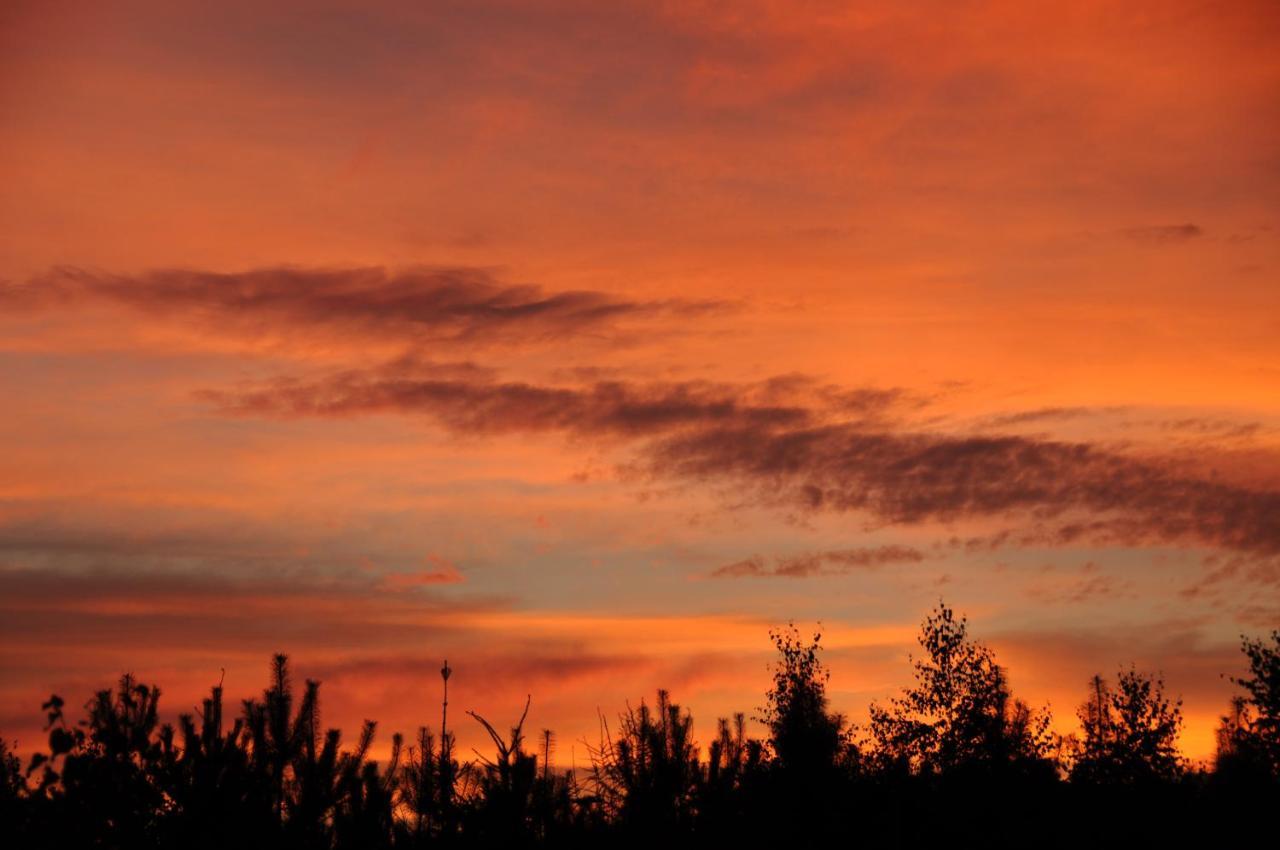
(1164, 234)
(800, 445)
(1045, 414)
(473, 403)
(904, 477)
(422, 304)
(438, 570)
(830, 562)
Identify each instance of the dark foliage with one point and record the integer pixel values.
(960, 720)
(953, 760)
(1130, 732)
(1249, 738)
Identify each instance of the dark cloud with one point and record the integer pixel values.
(753, 566)
(439, 571)
(50, 587)
(47, 549)
(793, 443)
(832, 562)
(1235, 571)
(906, 478)
(1165, 234)
(1088, 584)
(1218, 428)
(61, 612)
(1045, 414)
(416, 304)
(607, 408)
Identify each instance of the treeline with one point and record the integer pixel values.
(954, 759)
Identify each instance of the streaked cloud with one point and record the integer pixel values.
(414, 305)
(1164, 234)
(830, 562)
(785, 449)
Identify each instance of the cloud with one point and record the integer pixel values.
(439, 571)
(904, 477)
(103, 535)
(605, 408)
(1045, 413)
(1166, 234)
(116, 613)
(790, 442)
(420, 304)
(1085, 586)
(831, 562)
(1218, 428)
(177, 592)
(793, 443)
(1223, 572)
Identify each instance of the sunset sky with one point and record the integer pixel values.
(583, 342)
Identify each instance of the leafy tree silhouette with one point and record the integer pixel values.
(1130, 732)
(808, 745)
(1240, 754)
(12, 786)
(960, 715)
(97, 781)
(1253, 737)
(805, 739)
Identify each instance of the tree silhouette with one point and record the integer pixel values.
(648, 776)
(507, 783)
(223, 802)
(954, 760)
(364, 797)
(97, 783)
(804, 737)
(421, 780)
(277, 738)
(1255, 734)
(960, 715)
(12, 785)
(734, 773)
(1130, 732)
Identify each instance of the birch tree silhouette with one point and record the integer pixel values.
(1130, 732)
(959, 715)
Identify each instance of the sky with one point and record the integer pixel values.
(583, 343)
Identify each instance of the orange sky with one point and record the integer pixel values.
(584, 342)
